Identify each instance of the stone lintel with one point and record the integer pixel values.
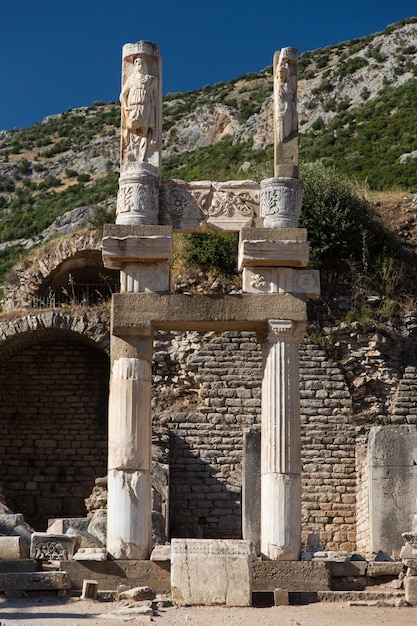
(274, 234)
(269, 253)
(136, 230)
(131, 312)
(121, 251)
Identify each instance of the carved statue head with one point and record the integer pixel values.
(140, 65)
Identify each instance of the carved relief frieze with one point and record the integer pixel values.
(192, 206)
(281, 280)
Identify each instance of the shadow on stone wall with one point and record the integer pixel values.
(201, 506)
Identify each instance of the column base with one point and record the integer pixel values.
(281, 517)
(129, 521)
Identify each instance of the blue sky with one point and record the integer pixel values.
(56, 55)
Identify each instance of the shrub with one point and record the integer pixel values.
(334, 213)
(211, 250)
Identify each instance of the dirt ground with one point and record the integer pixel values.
(49, 610)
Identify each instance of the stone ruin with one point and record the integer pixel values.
(273, 259)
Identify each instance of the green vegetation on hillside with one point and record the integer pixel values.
(30, 214)
(367, 142)
(69, 131)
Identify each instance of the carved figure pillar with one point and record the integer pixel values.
(140, 134)
(280, 197)
(129, 521)
(280, 442)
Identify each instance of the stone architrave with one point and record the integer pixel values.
(129, 503)
(140, 135)
(212, 571)
(280, 443)
(285, 113)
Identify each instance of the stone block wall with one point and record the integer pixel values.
(206, 438)
(53, 421)
(327, 451)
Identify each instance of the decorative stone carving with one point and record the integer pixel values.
(140, 104)
(285, 112)
(52, 547)
(225, 206)
(281, 280)
(141, 132)
(281, 202)
(137, 199)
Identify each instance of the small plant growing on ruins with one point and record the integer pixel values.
(362, 315)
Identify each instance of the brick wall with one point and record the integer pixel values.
(53, 420)
(206, 440)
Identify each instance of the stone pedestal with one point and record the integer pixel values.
(280, 202)
(211, 571)
(280, 447)
(129, 523)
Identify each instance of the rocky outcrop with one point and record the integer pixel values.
(203, 127)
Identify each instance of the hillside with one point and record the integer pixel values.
(357, 109)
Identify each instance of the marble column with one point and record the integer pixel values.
(129, 523)
(280, 443)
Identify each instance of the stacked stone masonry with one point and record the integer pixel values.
(53, 398)
(206, 390)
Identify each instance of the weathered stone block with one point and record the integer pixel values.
(89, 591)
(410, 586)
(392, 458)
(211, 571)
(13, 548)
(281, 597)
(348, 568)
(384, 569)
(111, 574)
(91, 554)
(291, 575)
(37, 581)
(13, 566)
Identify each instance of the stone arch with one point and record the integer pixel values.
(42, 278)
(54, 373)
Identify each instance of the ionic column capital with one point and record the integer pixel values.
(282, 330)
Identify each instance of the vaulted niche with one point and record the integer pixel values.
(81, 279)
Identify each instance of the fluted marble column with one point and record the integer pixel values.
(129, 521)
(280, 444)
